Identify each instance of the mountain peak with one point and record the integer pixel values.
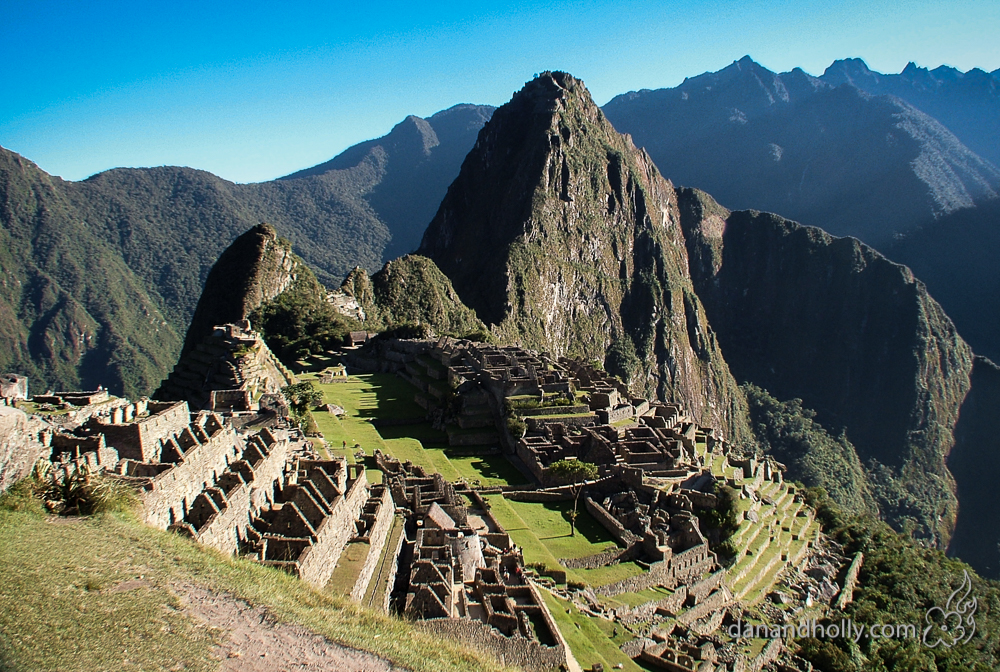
(563, 236)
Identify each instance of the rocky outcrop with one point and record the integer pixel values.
(20, 447)
(855, 336)
(257, 267)
(564, 237)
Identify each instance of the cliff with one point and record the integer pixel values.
(974, 461)
(564, 237)
(256, 267)
(831, 321)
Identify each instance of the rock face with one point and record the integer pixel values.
(829, 320)
(564, 237)
(257, 267)
(974, 460)
(20, 447)
(831, 156)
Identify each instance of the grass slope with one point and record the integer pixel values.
(96, 594)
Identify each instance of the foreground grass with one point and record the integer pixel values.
(98, 594)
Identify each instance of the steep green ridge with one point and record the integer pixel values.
(562, 236)
(899, 583)
(974, 461)
(855, 336)
(790, 433)
(411, 290)
(73, 314)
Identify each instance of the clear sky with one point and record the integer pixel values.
(254, 90)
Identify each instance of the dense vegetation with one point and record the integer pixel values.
(791, 434)
(413, 291)
(898, 583)
(300, 321)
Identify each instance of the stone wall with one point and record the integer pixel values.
(376, 539)
(20, 447)
(317, 562)
(610, 523)
(516, 651)
(847, 593)
(252, 478)
(140, 440)
(171, 493)
(611, 556)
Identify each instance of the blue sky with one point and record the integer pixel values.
(254, 90)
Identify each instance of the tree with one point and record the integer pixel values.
(301, 396)
(575, 473)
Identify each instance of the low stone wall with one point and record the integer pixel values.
(552, 410)
(376, 540)
(847, 593)
(717, 600)
(317, 562)
(611, 556)
(514, 651)
(625, 537)
(671, 605)
(699, 591)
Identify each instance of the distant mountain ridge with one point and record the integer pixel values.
(421, 157)
(839, 158)
(102, 276)
(968, 103)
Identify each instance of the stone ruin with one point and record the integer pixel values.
(231, 360)
(466, 578)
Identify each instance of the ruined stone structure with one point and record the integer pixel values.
(305, 532)
(467, 581)
(232, 357)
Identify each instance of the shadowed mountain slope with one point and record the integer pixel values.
(974, 460)
(836, 157)
(421, 157)
(564, 237)
(968, 103)
(854, 335)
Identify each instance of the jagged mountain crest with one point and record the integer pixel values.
(563, 236)
(799, 146)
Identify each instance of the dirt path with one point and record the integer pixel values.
(256, 642)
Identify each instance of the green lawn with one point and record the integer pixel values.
(542, 532)
(348, 568)
(387, 397)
